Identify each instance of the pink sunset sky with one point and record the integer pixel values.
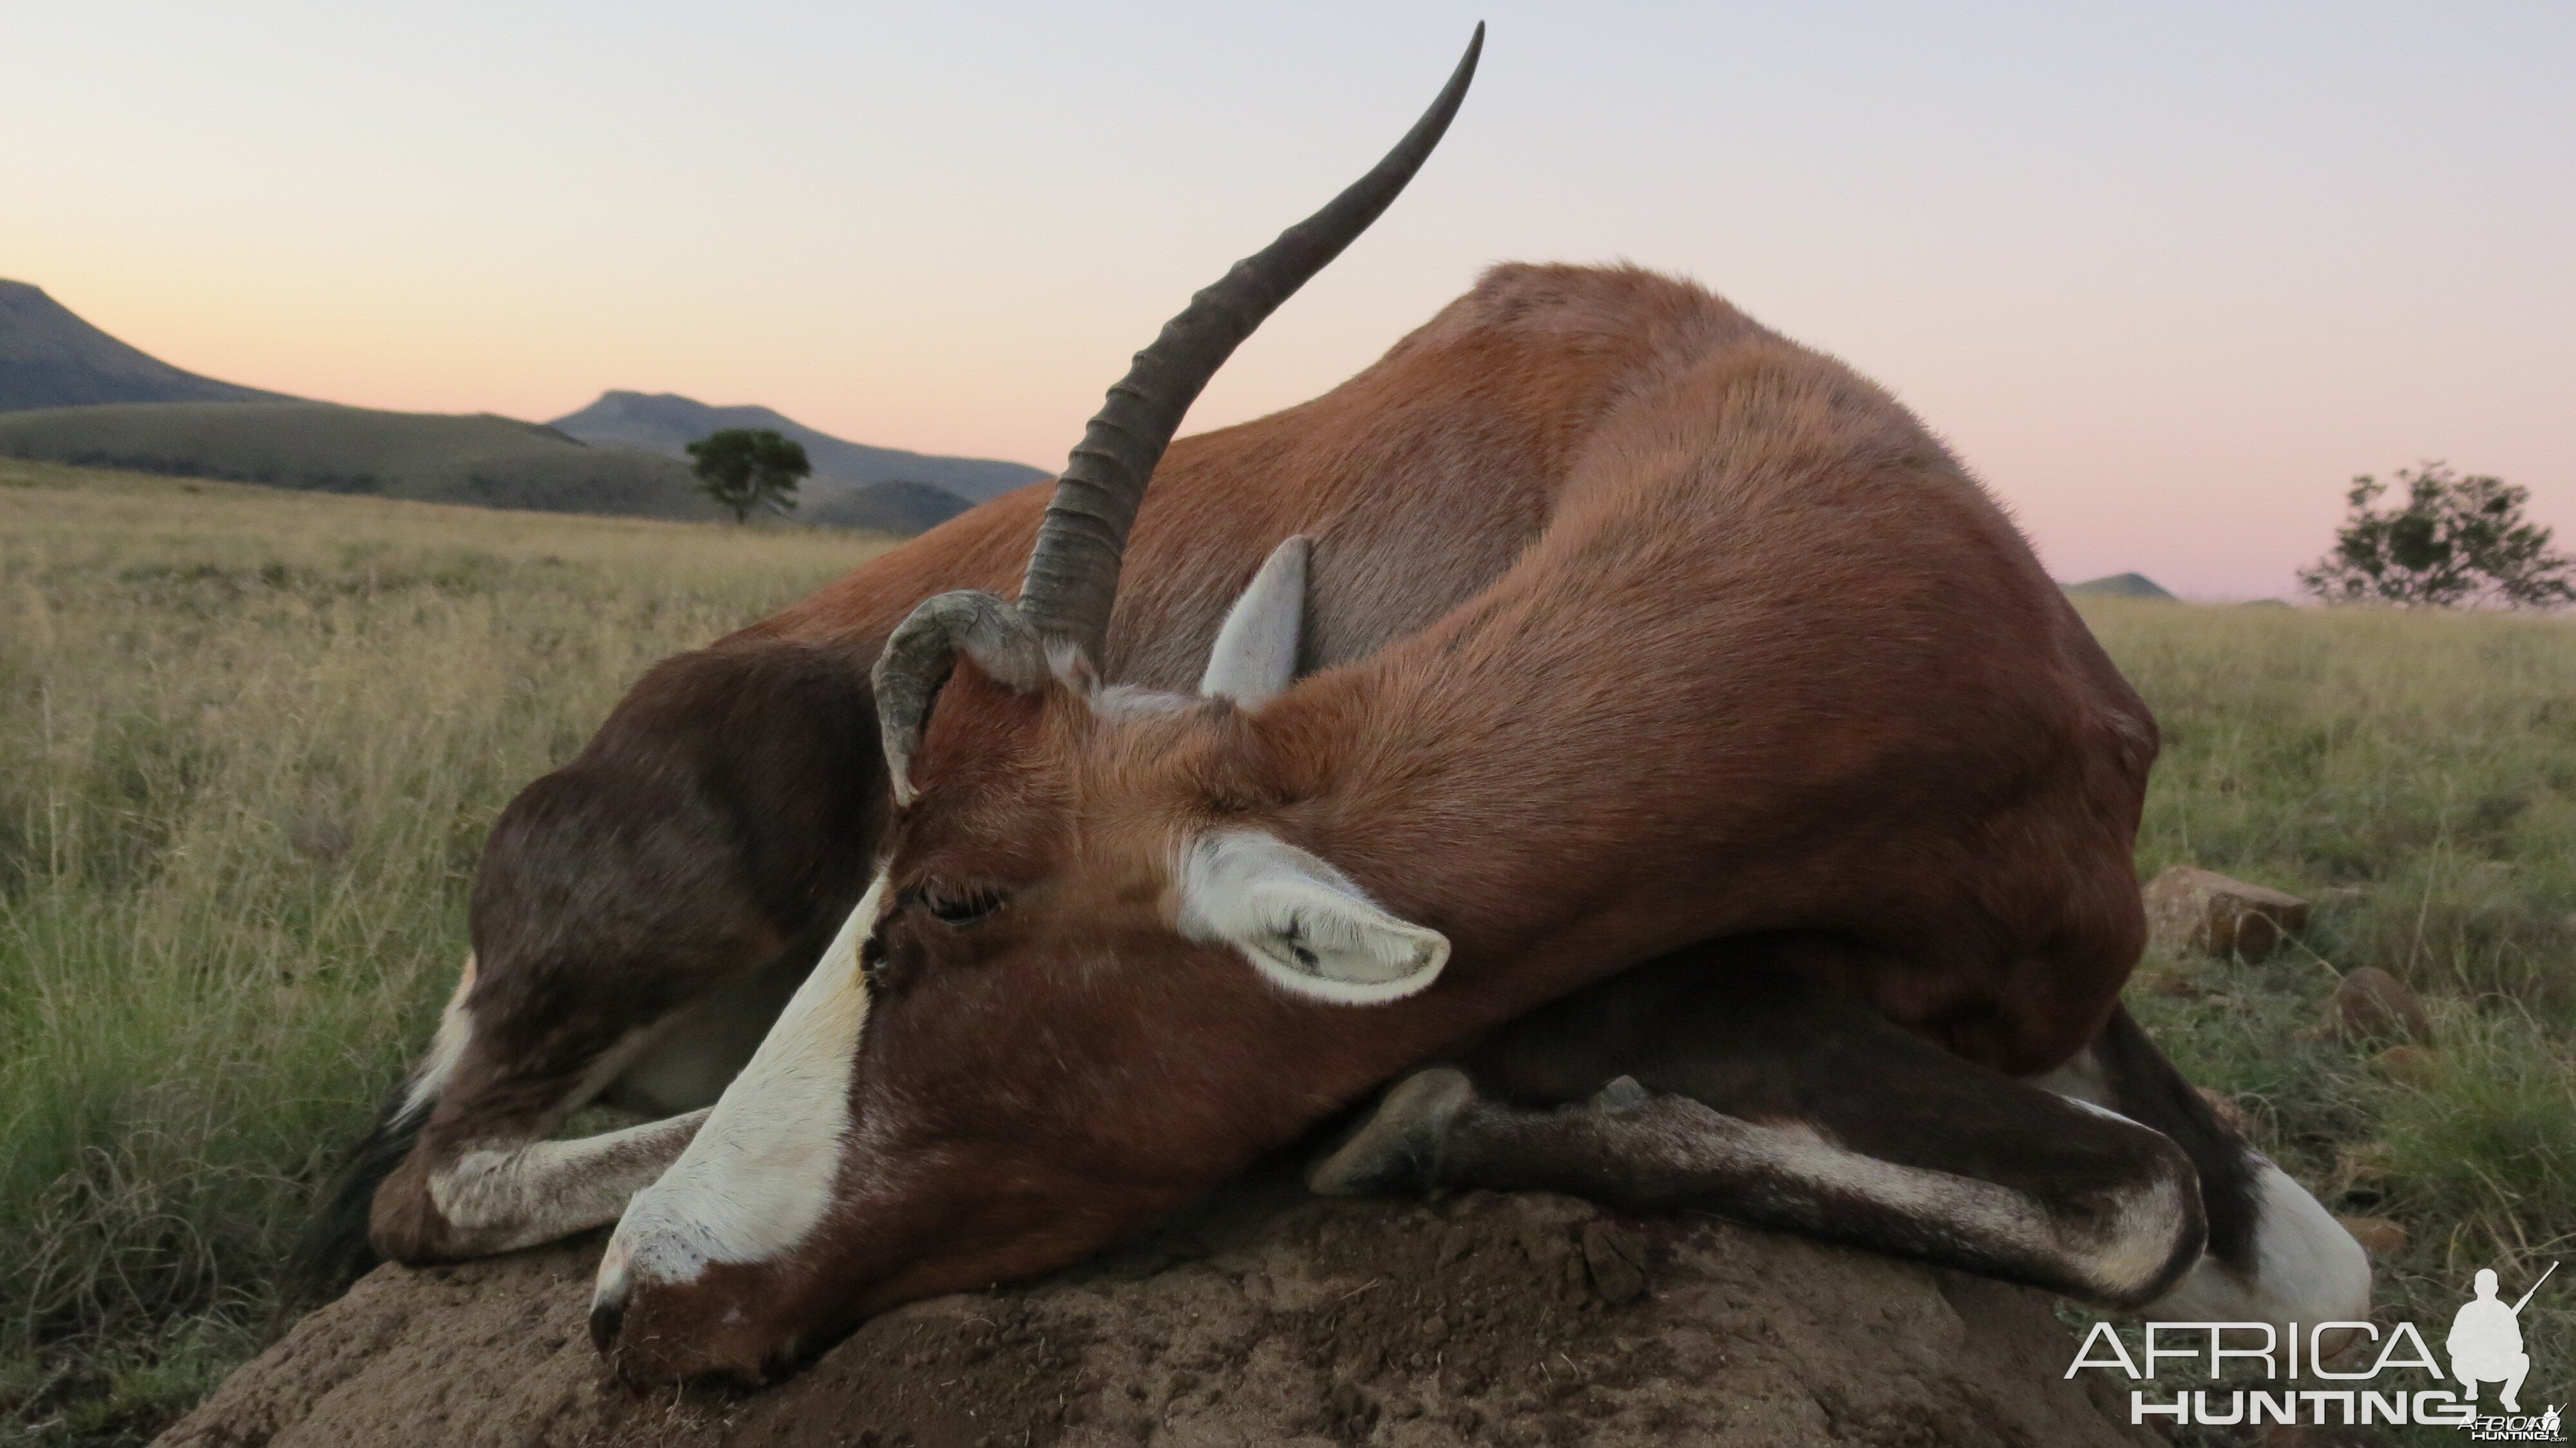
(2165, 275)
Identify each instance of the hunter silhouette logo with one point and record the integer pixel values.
(2365, 1373)
(2486, 1347)
(2486, 1341)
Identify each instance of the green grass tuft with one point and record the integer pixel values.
(254, 741)
(2414, 776)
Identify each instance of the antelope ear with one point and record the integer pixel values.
(1301, 922)
(1256, 651)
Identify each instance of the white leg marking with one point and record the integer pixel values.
(2148, 1221)
(2307, 1268)
(2113, 1260)
(516, 1191)
(503, 1199)
(758, 1177)
(445, 1048)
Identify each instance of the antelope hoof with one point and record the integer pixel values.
(1398, 1147)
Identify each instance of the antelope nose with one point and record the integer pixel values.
(608, 1294)
(607, 1314)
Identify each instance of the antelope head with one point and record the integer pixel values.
(1109, 955)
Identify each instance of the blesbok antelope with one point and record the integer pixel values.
(639, 916)
(1759, 837)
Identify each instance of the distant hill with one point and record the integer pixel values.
(492, 462)
(900, 508)
(51, 358)
(70, 393)
(666, 423)
(2120, 585)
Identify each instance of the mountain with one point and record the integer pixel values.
(898, 507)
(487, 461)
(666, 423)
(2120, 585)
(70, 393)
(51, 358)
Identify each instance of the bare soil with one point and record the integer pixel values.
(1267, 1318)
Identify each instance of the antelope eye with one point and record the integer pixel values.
(959, 907)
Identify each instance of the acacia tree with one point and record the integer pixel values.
(743, 469)
(2453, 541)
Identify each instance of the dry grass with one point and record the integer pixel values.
(253, 740)
(2413, 775)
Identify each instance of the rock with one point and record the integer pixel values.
(1291, 1319)
(2167, 977)
(2229, 1113)
(2384, 1236)
(2192, 909)
(2374, 1005)
(1616, 1260)
(2410, 1064)
(2359, 1164)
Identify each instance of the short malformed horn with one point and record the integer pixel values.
(1073, 571)
(924, 649)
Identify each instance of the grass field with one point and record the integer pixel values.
(2414, 776)
(249, 744)
(250, 741)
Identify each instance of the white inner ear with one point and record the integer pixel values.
(1301, 922)
(1256, 651)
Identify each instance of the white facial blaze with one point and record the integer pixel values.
(758, 1176)
(1301, 922)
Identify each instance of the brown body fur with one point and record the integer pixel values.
(1734, 647)
(728, 809)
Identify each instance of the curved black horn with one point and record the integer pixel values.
(1073, 571)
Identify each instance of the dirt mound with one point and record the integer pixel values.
(1265, 1319)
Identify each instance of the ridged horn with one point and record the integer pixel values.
(1073, 570)
(1072, 580)
(924, 649)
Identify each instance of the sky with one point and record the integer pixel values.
(2165, 276)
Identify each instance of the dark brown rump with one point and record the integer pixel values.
(726, 806)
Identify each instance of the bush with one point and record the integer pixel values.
(2456, 540)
